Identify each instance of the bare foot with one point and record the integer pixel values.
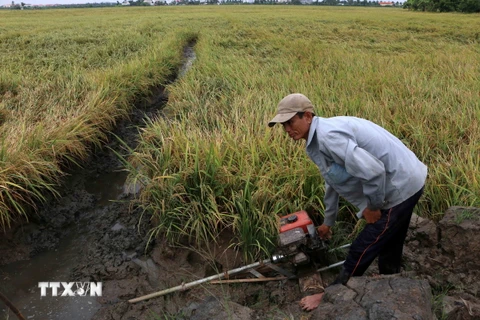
(309, 303)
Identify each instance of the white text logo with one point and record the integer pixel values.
(71, 289)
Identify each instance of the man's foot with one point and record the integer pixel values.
(309, 303)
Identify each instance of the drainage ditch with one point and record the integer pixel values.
(90, 234)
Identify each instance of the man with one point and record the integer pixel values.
(370, 168)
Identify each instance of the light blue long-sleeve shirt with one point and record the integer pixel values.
(363, 163)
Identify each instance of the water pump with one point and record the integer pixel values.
(298, 240)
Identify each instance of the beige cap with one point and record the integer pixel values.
(289, 106)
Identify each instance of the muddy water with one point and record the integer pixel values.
(89, 234)
(21, 283)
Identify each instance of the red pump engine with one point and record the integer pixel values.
(298, 238)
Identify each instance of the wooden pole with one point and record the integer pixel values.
(11, 306)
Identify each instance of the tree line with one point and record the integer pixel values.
(467, 6)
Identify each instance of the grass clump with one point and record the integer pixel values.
(466, 215)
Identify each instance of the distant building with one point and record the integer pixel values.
(386, 3)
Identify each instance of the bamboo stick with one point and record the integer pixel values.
(247, 280)
(197, 282)
(12, 307)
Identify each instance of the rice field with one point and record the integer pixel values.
(211, 165)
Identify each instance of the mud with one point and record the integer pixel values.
(445, 253)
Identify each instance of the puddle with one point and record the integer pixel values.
(91, 233)
(107, 187)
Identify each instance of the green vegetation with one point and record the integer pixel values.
(212, 165)
(467, 6)
(467, 215)
(439, 294)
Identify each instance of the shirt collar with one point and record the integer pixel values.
(313, 127)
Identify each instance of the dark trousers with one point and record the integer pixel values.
(384, 239)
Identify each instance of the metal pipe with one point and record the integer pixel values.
(331, 266)
(194, 283)
(341, 247)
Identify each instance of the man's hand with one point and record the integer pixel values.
(371, 216)
(324, 232)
